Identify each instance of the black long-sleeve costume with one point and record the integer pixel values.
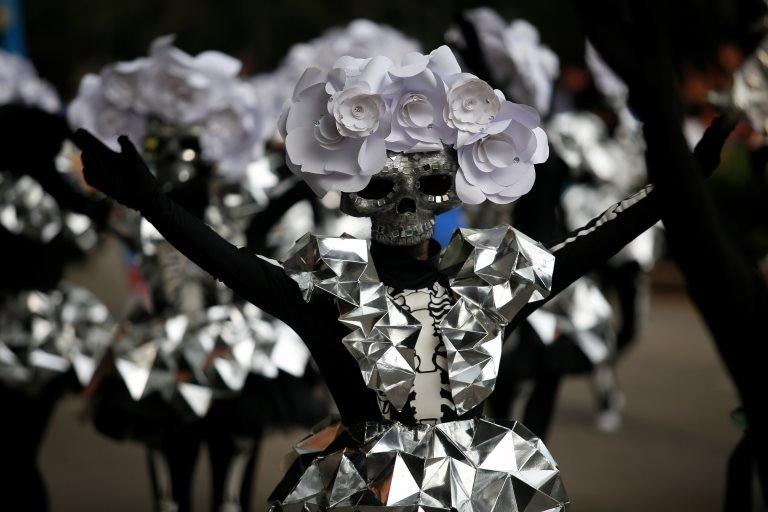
(269, 288)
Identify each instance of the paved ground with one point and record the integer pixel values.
(670, 455)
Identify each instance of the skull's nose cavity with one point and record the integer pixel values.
(406, 205)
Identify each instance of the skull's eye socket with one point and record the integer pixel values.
(435, 184)
(378, 188)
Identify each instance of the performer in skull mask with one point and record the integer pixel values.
(424, 328)
(192, 358)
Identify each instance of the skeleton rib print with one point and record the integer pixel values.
(428, 305)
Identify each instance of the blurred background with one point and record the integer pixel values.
(671, 451)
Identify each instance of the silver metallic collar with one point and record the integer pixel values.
(492, 274)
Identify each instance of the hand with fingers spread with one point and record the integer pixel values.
(123, 176)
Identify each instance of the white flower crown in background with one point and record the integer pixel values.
(361, 38)
(515, 56)
(178, 89)
(20, 83)
(339, 125)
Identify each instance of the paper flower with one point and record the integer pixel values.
(19, 82)
(94, 112)
(361, 38)
(500, 167)
(418, 102)
(335, 124)
(177, 89)
(338, 126)
(606, 80)
(180, 87)
(519, 62)
(232, 132)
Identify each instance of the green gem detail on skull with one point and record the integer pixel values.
(404, 197)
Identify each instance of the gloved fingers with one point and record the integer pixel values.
(94, 169)
(127, 147)
(88, 143)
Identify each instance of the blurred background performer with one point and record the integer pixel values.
(50, 331)
(593, 165)
(194, 362)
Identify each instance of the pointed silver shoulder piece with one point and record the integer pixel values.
(498, 269)
(339, 266)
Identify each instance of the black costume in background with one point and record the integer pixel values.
(232, 427)
(730, 294)
(125, 177)
(30, 139)
(538, 214)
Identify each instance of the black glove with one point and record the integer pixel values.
(123, 176)
(29, 137)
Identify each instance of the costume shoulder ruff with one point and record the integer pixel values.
(492, 274)
(475, 465)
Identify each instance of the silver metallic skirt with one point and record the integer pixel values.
(475, 465)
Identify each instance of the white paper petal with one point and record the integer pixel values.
(469, 194)
(373, 155)
(542, 146)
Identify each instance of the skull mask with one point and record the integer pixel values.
(403, 199)
(173, 153)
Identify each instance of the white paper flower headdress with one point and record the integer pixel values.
(339, 125)
(20, 83)
(515, 56)
(181, 90)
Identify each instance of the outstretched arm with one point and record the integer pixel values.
(584, 249)
(125, 177)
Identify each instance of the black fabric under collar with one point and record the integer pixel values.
(398, 268)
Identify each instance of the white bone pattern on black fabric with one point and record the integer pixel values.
(429, 306)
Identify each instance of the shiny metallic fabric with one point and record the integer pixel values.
(581, 139)
(582, 314)
(172, 152)
(204, 342)
(492, 274)
(606, 170)
(477, 465)
(404, 197)
(43, 334)
(750, 88)
(234, 202)
(151, 357)
(27, 209)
